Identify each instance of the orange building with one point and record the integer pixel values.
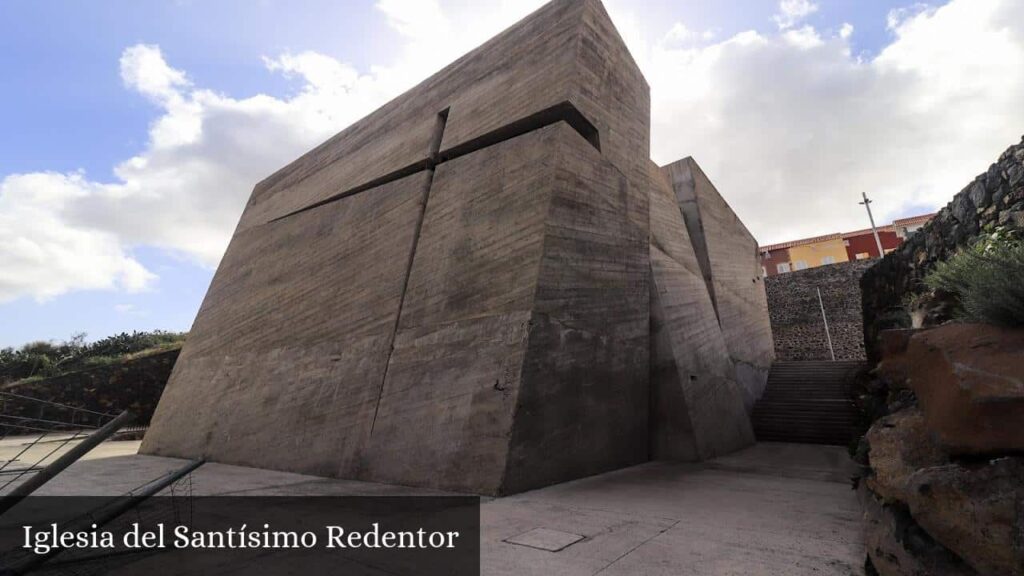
(861, 245)
(803, 254)
(834, 248)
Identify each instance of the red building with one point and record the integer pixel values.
(861, 245)
(774, 260)
(834, 248)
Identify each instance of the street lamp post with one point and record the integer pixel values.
(878, 241)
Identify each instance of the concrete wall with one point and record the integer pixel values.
(453, 292)
(456, 291)
(797, 325)
(730, 263)
(697, 405)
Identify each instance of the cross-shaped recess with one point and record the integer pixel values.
(563, 112)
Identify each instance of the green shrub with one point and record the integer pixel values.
(45, 359)
(987, 278)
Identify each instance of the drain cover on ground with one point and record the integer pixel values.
(545, 539)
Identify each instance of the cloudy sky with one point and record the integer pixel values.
(131, 133)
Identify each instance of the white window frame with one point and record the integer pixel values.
(782, 267)
(800, 265)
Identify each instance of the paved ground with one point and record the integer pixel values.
(774, 509)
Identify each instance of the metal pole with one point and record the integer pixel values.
(867, 204)
(821, 303)
(103, 517)
(32, 484)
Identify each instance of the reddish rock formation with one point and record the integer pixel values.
(975, 511)
(893, 367)
(897, 546)
(969, 379)
(932, 505)
(900, 446)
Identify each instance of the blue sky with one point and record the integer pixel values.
(132, 132)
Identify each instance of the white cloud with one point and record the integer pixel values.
(788, 124)
(806, 37)
(677, 35)
(899, 15)
(185, 190)
(143, 68)
(793, 131)
(791, 12)
(43, 255)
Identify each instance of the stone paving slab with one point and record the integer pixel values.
(779, 509)
(546, 539)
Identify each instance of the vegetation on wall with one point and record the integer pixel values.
(986, 279)
(46, 359)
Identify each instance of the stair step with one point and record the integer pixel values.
(808, 402)
(803, 417)
(793, 424)
(835, 383)
(807, 424)
(842, 405)
(805, 440)
(786, 363)
(779, 398)
(811, 410)
(777, 432)
(804, 433)
(812, 430)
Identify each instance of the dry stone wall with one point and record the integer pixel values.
(134, 385)
(994, 198)
(797, 326)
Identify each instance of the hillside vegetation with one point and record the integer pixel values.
(39, 360)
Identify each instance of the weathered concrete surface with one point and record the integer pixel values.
(568, 51)
(697, 408)
(765, 510)
(480, 324)
(523, 339)
(727, 254)
(456, 292)
(291, 342)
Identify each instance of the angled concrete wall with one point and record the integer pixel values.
(484, 286)
(453, 292)
(697, 406)
(727, 253)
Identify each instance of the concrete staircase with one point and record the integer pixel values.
(808, 402)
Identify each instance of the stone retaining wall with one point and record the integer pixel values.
(797, 325)
(134, 384)
(994, 198)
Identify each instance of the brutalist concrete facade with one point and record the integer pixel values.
(459, 290)
(729, 261)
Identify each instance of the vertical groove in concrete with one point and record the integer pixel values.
(432, 161)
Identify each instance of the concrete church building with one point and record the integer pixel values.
(485, 286)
